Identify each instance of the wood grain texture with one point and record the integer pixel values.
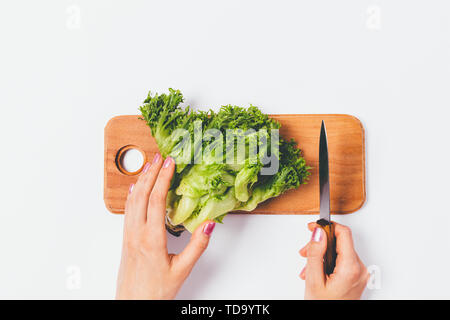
(346, 161)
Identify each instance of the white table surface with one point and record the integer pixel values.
(66, 67)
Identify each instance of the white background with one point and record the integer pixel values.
(66, 67)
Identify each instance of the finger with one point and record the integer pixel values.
(156, 211)
(130, 190)
(185, 261)
(312, 226)
(347, 262)
(344, 240)
(139, 193)
(302, 273)
(304, 251)
(314, 266)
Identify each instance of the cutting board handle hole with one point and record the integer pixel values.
(130, 159)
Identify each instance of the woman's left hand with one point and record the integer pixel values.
(147, 270)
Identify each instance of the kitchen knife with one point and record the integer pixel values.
(329, 259)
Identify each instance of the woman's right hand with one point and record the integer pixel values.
(350, 276)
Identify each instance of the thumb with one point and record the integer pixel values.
(314, 273)
(186, 260)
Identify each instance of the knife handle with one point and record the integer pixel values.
(329, 259)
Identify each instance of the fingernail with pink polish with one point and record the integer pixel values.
(167, 162)
(131, 188)
(208, 229)
(317, 235)
(156, 158)
(146, 167)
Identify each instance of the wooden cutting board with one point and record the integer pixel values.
(346, 161)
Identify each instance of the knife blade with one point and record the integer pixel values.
(329, 259)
